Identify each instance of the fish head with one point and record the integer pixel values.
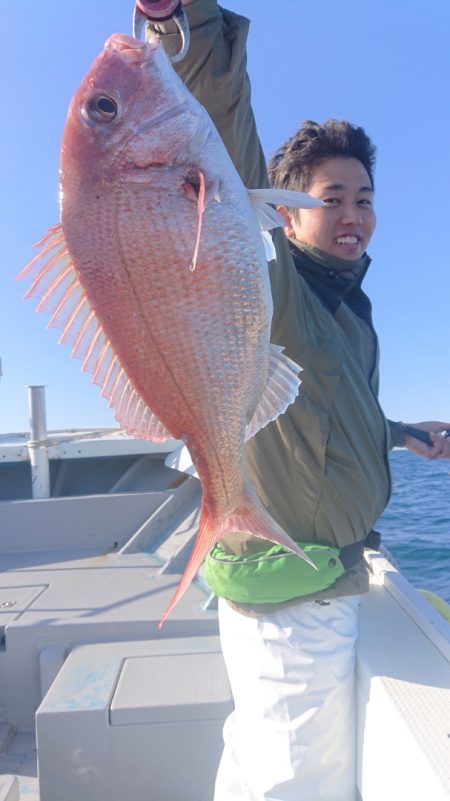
(130, 115)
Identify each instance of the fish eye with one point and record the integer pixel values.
(101, 109)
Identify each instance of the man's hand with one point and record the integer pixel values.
(441, 444)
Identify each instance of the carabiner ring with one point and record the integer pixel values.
(141, 17)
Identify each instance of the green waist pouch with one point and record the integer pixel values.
(272, 576)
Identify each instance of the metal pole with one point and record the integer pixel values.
(37, 446)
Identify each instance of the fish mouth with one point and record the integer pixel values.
(133, 50)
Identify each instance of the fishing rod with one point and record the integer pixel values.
(162, 11)
(417, 433)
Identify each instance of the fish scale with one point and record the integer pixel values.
(190, 294)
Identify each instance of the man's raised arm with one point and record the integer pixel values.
(214, 70)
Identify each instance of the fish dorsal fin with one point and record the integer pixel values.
(56, 284)
(262, 201)
(281, 390)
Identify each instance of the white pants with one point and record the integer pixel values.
(292, 734)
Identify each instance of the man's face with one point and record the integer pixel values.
(344, 225)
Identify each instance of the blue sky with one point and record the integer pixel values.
(383, 64)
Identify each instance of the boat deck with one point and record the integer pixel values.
(84, 580)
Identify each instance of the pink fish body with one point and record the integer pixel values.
(178, 343)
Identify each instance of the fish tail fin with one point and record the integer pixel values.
(209, 532)
(250, 517)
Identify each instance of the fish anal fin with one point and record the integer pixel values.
(282, 387)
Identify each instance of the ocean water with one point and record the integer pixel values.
(415, 526)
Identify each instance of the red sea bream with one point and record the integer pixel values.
(158, 277)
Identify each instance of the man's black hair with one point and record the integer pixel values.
(292, 164)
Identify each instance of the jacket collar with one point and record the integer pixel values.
(332, 279)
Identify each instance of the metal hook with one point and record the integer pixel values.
(145, 10)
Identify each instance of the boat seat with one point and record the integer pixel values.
(138, 720)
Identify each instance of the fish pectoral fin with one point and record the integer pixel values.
(192, 185)
(282, 387)
(57, 285)
(262, 201)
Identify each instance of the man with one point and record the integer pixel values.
(288, 633)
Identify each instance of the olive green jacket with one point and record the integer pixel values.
(321, 468)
